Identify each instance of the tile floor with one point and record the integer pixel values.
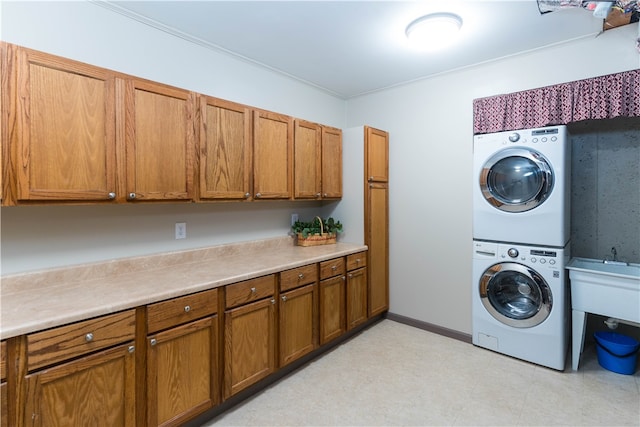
(397, 375)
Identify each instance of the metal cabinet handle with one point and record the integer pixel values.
(111, 195)
(357, 260)
(301, 276)
(153, 342)
(88, 337)
(258, 195)
(284, 298)
(253, 290)
(317, 194)
(325, 194)
(131, 196)
(350, 275)
(370, 178)
(334, 267)
(273, 301)
(131, 349)
(187, 308)
(246, 195)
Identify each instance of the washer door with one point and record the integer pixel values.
(515, 295)
(516, 180)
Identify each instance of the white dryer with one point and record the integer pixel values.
(520, 301)
(521, 189)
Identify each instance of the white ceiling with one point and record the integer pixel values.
(348, 48)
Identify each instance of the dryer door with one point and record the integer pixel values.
(516, 179)
(515, 294)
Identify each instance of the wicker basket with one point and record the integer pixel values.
(316, 239)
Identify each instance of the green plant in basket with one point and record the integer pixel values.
(315, 226)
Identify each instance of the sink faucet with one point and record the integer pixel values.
(614, 253)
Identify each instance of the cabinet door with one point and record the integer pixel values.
(356, 297)
(307, 160)
(94, 390)
(64, 129)
(332, 308)
(298, 323)
(182, 372)
(225, 150)
(4, 410)
(159, 141)
(272, 158)
(377, 239)
(249, 345)
(331, 163)
(377, 155)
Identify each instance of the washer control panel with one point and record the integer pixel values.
(534, 256)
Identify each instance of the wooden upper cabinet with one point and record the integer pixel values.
(377, 155)
(272, 155)
(224, 150)
(63, 132)
(160, 137)
(307, 160)
(331, 163)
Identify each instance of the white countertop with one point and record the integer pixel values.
(34, 301)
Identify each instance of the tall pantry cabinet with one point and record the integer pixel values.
(376, 217)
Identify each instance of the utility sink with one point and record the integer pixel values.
(609, 289)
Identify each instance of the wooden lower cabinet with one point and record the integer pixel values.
(298, 323)
(95, 390)
(182, 379)
(4, 409)
(332, 308)
(250, 337)
(356, 297)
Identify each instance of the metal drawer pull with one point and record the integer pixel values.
(187, 308)
(334, 267)
(131, 349)
(111, 195)
(350, 275)
(253, 290)
(300, 276)
(284, 298)
(153, 342)
(88, 337)
(273, 301)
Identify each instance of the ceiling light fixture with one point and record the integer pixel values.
(433, 31)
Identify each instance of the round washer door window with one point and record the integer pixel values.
(516, 180)
(515, 295)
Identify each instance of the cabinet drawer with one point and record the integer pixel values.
(66, 342)
(3, 360)
(295, 277)
(250, 290)
(355, 261)
(333, 267)
(173, 312)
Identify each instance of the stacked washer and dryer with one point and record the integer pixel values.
(521, 231)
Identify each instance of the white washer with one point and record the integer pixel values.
(521, 188)
(520, 301)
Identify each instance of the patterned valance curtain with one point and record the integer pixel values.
(605, 97)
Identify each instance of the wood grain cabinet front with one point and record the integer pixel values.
(272, 155)
(4, 409)
(160, 141)
(62, 129)
(332, 300)
(182, 358)
(331, 163)
(250, 333)
(225, 156)
(89, 378)
(357, 289)
(298, 320)
(307, 160)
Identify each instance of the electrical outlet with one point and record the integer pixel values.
(181, 230)
(294, 218)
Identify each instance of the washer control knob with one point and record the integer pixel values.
(543, 261)
(552, 261)
(514, 137)
(513, 253)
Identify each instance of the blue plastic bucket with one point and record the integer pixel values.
(617, 352)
